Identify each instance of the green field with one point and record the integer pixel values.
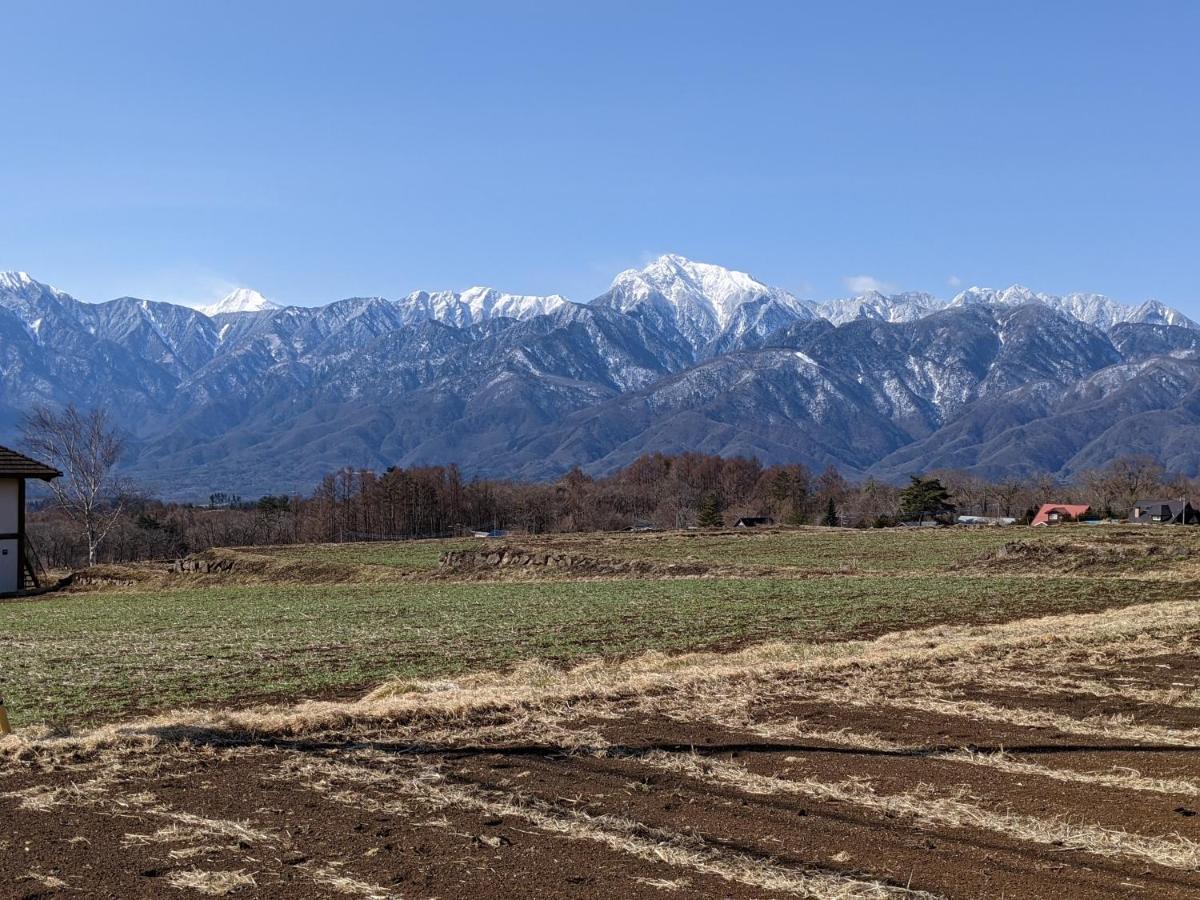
(100, 656)
(84, 656)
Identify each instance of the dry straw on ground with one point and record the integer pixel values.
(535, 688)
(617, 833)
(391, 751)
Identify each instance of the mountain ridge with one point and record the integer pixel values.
(678, 355)
(692, 291)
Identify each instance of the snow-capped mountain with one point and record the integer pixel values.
(704, 301)
(700, 300)
(906, 307)
(1094, 309)
(695, 290)
(17, 285)
(241, 300)
(677, 355)
(474, 305)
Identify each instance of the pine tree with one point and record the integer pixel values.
(925, 497)
(709, 513)
(781, 490)
(831, 515)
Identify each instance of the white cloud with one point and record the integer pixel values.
(954, 281)
(862, 284)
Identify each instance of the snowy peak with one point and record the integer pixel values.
(1016, 295)
(474, 305)
(707, 307)
(696, 290)
(20, 286)
(1154, 313)
(1096, 310)
(489, 303)
(11, 282)
(240, 301)
(710, 306)
(874, 306)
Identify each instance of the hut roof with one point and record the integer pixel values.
(18, 465)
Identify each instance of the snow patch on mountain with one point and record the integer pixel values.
(241, 300)
(474, 305)
(1096, 310)
(18, 282)
(905, 307)
(20, 287)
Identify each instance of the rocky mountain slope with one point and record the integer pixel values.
(250, 397)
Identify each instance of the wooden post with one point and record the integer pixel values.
(20, 536)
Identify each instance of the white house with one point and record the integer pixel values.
(16, 573)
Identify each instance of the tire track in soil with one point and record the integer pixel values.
(1084, 706)
(374, 780)
(432, 852)
(918, 762)
(981, 862)
(932, 731)
(384, 832)
(1150, 813)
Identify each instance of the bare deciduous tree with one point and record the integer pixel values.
(1131, 478)
(85, 446)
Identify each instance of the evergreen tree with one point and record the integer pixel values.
(709, 513)
(831, 515)
(781, 490)
(925, 498)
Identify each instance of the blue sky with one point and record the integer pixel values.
(320, 150)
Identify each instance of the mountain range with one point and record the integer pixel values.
(251, 397)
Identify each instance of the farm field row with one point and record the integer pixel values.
(1036, 758)
(330, 619)
(882, 551)
(81, 657)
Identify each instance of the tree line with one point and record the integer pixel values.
(94, 516)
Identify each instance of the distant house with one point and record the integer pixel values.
(753, 521)
(1164, 512)
(1057, 513)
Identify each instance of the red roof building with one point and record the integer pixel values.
(1057, 513)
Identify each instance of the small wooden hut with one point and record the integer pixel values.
(16, 570)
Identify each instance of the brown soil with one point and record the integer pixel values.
(427, 851)
(744, 785)
(1083, 706)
